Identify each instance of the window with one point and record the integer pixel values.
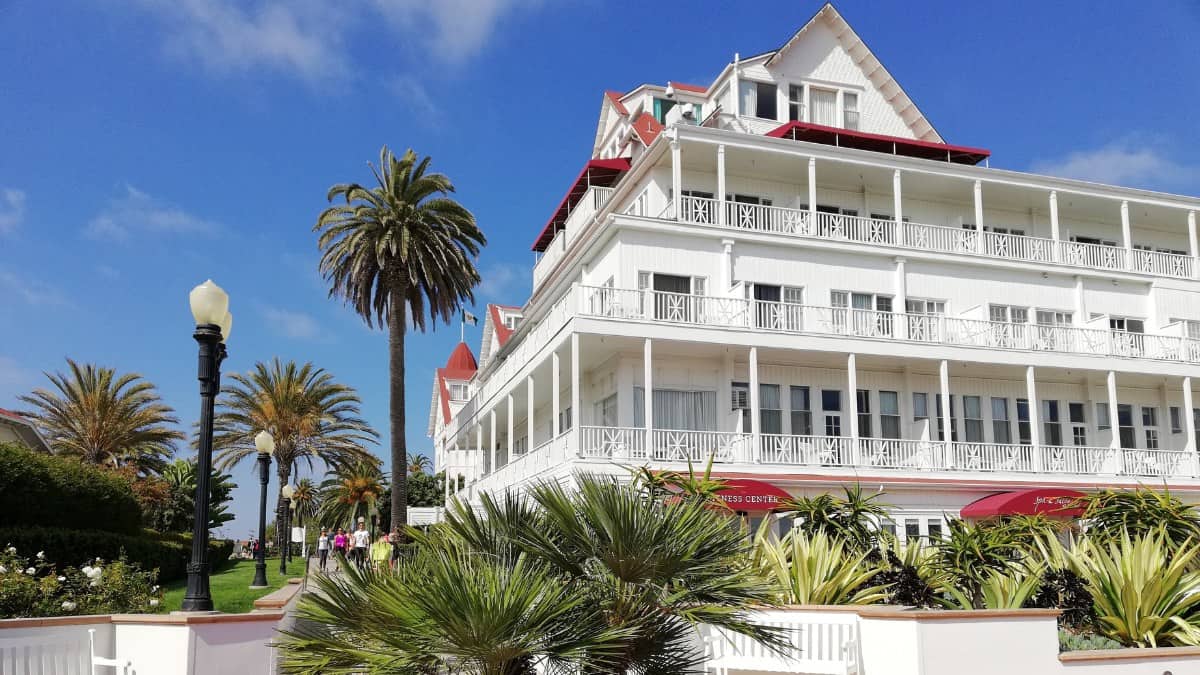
(912, 529)
(1024, 436)
(1048, 333)
(1150, 426)
(1001, 431)
(764, 107)
(677, 409)
(889, 414)
(796, 103)
(831, 403)
(1191, 328)
(1125, 425)
(1051, 423)
(1075, 411)
(801, 411)
(937, 404)
(935, 528)
(776, 307)
(920, 406)
(770, 410)
(512, 321)
(1008, 314)
(605, 412)
(973, 419)
(1126, 325)
(850, 110)
(662, 106)
(923, 318)
(1176, 419)
(866, 314)
(925, 307)
(864, 413)
(521, 445)
(458, 391)
(1102, 421)
(670, 295)
(564, 419)
(824, 106)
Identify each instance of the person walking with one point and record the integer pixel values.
(362, 540)
(340, 544)
(396, 539)
(323, 548)
(381, 550)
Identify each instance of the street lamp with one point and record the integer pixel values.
(287, 491)
(210, 309)
(264, 442)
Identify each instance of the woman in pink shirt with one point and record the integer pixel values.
(340, 542)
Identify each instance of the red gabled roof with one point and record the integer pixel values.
(600, 172)
(460, 366)
(862, 140)
(689, 87)
(502, 332)
(615, 97)
(647, 128)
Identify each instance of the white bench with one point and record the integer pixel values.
(827, 645)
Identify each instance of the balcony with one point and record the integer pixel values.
(593, 200)
(741, 313)
(932, 238)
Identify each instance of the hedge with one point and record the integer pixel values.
(168, 554)
(41, 490)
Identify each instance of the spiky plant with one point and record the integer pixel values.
(816, 569)
(853, 518)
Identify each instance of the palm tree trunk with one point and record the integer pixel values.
(397, 324)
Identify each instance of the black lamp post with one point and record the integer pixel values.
(210, 309)
(286, 536)
(264, 442)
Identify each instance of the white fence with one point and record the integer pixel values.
(53, 646)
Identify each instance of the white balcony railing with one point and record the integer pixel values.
(936, 238)
(593, 200)
(742, 313)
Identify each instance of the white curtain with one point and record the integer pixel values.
(675, 409)
(824, 104)
(747, 94)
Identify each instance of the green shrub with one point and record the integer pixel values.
(1075, 642)
(31, 586)
(167, 554)
(38, 490)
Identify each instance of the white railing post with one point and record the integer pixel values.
(812, 195)
(1193, 247)
(529, 425)
(1189, 418)
(676, 175)
(555, 393)
(1035, 435)
(947, 421)
(978, 193)
(648, 394)
(1055, 254)
(492, 441)
(511, 428)
(1126, 235)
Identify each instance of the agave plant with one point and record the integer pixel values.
(816, 569)
(854, 518)
(1144, 593)
(1008, 590)
(970, 554)
(1110, 514)
(907, 571)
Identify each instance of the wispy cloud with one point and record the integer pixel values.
(291, 324)
(1134, 161)
(31, 291)
(503, 283)
(136, 211)
(415, 97)
(453, 30)
(12, 209)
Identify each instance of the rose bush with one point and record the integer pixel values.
(33, 587)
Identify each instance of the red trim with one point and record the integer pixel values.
(647, 128)
(862, 140)
(615, 97)
(601, 172)
(444, 395)
(502, 332)
(1054, 502)
(15, 416)
(689, 87)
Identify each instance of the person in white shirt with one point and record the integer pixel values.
(362, 540)
(323, 548)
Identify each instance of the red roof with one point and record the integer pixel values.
(601, 172)
(615, 97)
(862, 140)
(647, 128)
(1055, 502)
(689, 87)
(502, 332)
(460, 366)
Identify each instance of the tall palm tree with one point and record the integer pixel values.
(418, 463)
(104, 418)
(312, 417)
(350, 492)
(396, 252)
(306, 499)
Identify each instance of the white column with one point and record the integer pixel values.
(1189, 420)
(478, 454)
(726, 264)
(897, 207)
(901, 305)
(511, 426)
(529, 426)
(948, 429)
(648, 395)
(492, 440)
(576, 391)
(736, 88)
(852, 399)
(978, 216)
(1113, 422)
(1035, 430)
(812, 194)
(555, 392)
(1080, 305)
(676, 176)
(755, 406)
(1193, 247)
(1055, 234)
(1126, 235)
(721, 216)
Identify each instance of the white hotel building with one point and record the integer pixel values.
(819, 290)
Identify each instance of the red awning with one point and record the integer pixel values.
(747, 494)
(598, 172)
(1054, 502)
(861, 140)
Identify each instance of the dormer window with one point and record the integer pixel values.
(662, 106)
(512, 321)
(458, 391)
(850, 110)
(824, 106)
(764, 106)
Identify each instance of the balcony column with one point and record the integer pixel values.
(555, 393)
(978, 216)
(511, 427)
(812, 194)
(648, 395)
(721, 215)
(529, 426)
(1193, 247)
(1035, 429)
(948, 429)
(1189, 419)
(726, 264)
(852, 399)
(576, 392)
(735, 87)
(897, 207)
(1114, 421)
(1055, 234)
(492, 441)
(902, 330)
(1080, 317)
(676, 176)
(755, 407)
(1126, 235)
(478, 454)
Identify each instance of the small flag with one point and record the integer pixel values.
(470, 318)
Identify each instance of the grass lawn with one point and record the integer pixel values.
(230, 587)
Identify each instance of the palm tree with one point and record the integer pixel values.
(350, 492)
(395, 252)
(305, 500)
(180, 475)
(102, 418)
(312, 417)
(418, 463)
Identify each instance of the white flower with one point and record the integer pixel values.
(3, 569)
(87, 570)
(154, 602)
(94, 573)
(41, 555)
(95, 584)
(62, 578)
(12, 549)
(154, 589)
(69, 606)
(30, 571)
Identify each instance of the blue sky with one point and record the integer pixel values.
(148, 145)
